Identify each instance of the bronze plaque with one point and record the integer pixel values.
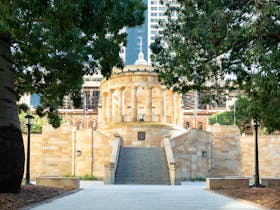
(141, 136)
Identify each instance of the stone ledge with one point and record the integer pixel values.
(67, 183)
(224, 183)
(270, 181)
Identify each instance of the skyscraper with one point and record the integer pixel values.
(148, 31)
(133, 40)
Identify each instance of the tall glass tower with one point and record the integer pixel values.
(133, 37)
(148, 31)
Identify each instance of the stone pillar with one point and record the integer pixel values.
(181, 111)
(100, 116)
(104, 109)
(110, 100)
(177, 109)
(149, 105)
(90, 99)
(163, 106)
(134, 104)
(120, 102)
(173, 108)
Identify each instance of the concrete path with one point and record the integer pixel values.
(189, 196)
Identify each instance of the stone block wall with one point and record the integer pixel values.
(221, 152)
(191, 150)
(226, 154)
(57, 151)
(204, 154)
(67, 151)
(35, 154)
(269, 155)
(93, 151)
(154, 133)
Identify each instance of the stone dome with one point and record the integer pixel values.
(141, 60)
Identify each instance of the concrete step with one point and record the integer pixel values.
(142, 166)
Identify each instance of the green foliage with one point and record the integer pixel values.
(261, 108)
(37, 123)
(86, 177)
(198, 179)
(40, 111)
(54, 119)
(223, 118)
(56, 42)
(23, 108)
(210, 39)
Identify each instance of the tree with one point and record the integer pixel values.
(213, 39)
(54, 43)
(223, 118)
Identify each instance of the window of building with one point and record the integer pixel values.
(200, 125)
(95, 99)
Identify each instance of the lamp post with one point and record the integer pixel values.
(257, 178)
(29, 121)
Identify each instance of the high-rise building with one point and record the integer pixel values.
(133, 39)
(148, 31)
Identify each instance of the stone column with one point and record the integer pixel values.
(134, 104)
(90, 99)
(120, 102)
(110, 99)
(173, 108)
(181, 111)
(104, 109)
(163, 106)
(149, 105)
(177, 109)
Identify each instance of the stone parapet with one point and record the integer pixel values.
(224, 183)
(270, 181)
(67, 183)
(171, 162)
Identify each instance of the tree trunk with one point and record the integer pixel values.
(11, 142)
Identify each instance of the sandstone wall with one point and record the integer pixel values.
(94, 150)
(154, 133)
(35, 154)
(226, 154)
(57, 151)
(188, 149)
(221, 152)
(203, 154)
(67, 151)
(269, 155)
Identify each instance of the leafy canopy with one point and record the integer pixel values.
(211, 39)
(56, 42)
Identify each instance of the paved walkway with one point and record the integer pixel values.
(189, 196)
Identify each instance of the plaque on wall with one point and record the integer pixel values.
(141, 136)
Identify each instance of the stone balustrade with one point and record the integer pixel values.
(110, 167)
(170, 160)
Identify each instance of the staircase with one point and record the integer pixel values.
(142, 166)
